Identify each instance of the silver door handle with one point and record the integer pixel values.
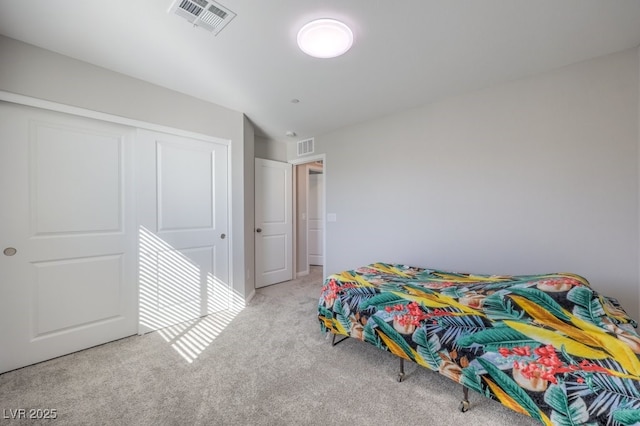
(9, 251)
(223, 236)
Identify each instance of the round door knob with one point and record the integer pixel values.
(223, 236)
(9, 251)
(259, 230)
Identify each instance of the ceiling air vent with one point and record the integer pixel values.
(305, 147)
(205, 14)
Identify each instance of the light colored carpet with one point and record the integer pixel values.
(268, 365)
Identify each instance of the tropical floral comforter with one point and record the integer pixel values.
(547, 346)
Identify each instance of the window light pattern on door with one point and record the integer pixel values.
(179, 323)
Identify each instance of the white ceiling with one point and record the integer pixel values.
(406, 53)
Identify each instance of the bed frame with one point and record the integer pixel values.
(464, 403)
(547, 346)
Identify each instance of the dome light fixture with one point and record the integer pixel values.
(325, 38)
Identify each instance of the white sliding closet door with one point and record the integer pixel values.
(67, 234)
(183, 234)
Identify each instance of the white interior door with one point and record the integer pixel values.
(274, 222)
(67, 234)
(315, 221)
(183, 234)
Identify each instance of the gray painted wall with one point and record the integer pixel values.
(248, 176)
(270, 149)
(42, 74)
(532, 176)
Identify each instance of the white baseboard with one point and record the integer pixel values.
(238, 304)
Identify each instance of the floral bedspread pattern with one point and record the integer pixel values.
(546, 346)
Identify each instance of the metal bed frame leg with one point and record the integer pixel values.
(333, 339)
(464, 404)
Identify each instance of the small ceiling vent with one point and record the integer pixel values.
(205, 14)
(305, 147)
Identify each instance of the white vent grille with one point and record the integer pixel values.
(207, 14)
(305, 147)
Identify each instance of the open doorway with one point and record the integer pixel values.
(309, 208)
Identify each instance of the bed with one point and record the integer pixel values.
(547, 346)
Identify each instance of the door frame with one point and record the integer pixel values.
(298, 162)
(103, 116)
(138, 124)
(318, 170)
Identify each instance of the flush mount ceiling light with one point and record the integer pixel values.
(325, 38)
